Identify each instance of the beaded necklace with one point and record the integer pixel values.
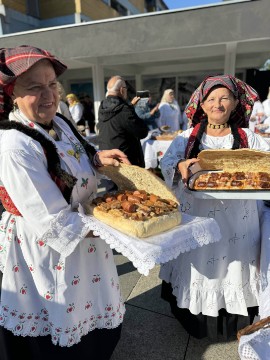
(221, 126)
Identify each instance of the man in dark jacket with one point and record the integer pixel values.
(118, 125)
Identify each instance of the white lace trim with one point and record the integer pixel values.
(69, 337)
(146, 253)
(60, 236)
(255, 346)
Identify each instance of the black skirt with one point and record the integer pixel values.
(99, 344)
(225, 325)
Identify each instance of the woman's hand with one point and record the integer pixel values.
(135, 100)
(183, 167)
(112, 157)
(91, 234)
(154, 110)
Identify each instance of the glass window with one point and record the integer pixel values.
(119, 8)
(32, 8)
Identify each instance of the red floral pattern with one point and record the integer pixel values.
(7, 202)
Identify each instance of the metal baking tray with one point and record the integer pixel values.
(224, 194)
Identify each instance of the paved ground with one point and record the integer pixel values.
(150, 331)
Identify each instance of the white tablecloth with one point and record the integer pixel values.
(255, 346)
(146, 253)
(264, 294)
(153, 151)
(267, 138)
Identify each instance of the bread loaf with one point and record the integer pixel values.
(143, 205)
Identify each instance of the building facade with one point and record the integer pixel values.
(166, 49)
(23, 15)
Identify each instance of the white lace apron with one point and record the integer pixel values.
(55, 281)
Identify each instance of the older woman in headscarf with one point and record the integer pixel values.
(212, 287)
(170, 113)
(60, 296)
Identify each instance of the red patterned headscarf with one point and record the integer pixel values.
(16, 61)
(242, 91)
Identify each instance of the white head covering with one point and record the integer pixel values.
(166, 98)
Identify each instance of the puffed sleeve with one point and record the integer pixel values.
(175, 153)
(43, 208)
(256, 141)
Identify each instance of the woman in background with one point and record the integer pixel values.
(62, 107)
(266, 105)
(75, 109)
(170, 113)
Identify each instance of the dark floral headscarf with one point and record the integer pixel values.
(16, 61)
(242, 91)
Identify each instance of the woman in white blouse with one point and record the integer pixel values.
(170, 113)
(214, 288)
(60, 296)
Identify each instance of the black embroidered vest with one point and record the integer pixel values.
(63, 180)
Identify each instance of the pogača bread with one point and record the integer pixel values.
(142, 206)
(241, 169)
(247, 160)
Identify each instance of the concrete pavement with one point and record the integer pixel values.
(150, 331)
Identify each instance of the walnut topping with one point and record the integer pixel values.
(136, 205)
(237, 180)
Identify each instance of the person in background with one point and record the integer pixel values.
(265, 127)
(170, 113)
(88, 112)
(76, 109)
(60, 296)
(257, 116)
(62, 106)
(119, 126)
(214, 289)
(147, 112)
(266, 105)
(184, 125)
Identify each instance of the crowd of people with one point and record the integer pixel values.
(58, 298)
(260, 116)
(155, 115)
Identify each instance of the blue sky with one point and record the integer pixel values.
(177, 4)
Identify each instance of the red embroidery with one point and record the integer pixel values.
(8, 203)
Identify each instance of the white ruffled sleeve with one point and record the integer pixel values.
(25, 177)
(175, 152)
(256, 141)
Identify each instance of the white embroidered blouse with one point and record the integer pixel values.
(55, 280)
(223, 274)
